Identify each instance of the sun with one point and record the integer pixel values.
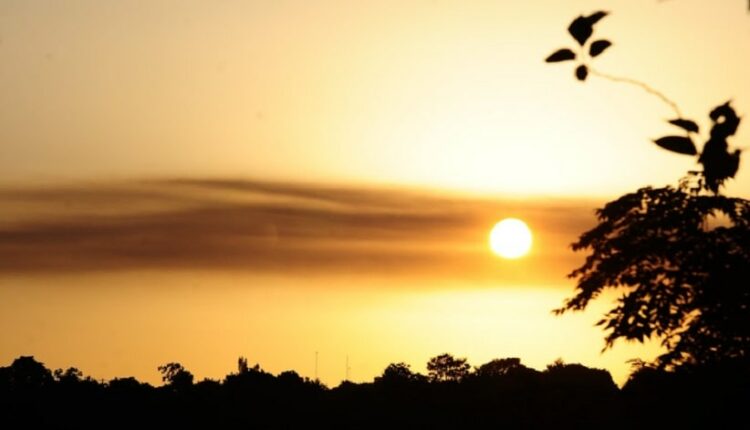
(510, 238)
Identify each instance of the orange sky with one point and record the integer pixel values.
(437, 93)
(114, 277)
(341, 165)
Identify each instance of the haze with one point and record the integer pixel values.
(194, 181)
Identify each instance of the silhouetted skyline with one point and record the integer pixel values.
(501, 393)
(314, 183)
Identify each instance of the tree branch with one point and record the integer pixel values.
(642, 85)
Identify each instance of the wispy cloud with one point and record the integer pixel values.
(276, 227)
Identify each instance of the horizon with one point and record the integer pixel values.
(270, 245)
(197, 182)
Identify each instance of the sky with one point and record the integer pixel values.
(194, 181)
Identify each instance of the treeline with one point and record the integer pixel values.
(500, 394)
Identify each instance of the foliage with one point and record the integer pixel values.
(582, 28)
(685, 274)
(576, 377)
(176, 375)
(398, 373)
(505, 394)
(445, 367)
(242, 366)
(685, 278)
(70, 375)
(719, 164)
(27, 373)
(499, 367)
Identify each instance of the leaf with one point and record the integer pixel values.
(598, 47)
(685, 124)
(582, 72)
(564, 54)
(724, 110)
(581, 29)
(725, 121)
(596, 16)
(678, 144)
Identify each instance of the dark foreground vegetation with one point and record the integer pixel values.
(500, 394)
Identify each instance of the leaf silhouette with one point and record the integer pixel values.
(582, 72)
(563, 54)
(596, 16)
(725, 121)
(678, 144)
(724, 110)
(685, 124)
(582, 27)
(599, 46)
(718, 163)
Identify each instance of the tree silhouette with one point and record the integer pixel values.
(682, 254)
(686, 279)
(27, 373)
(505, 394)
(70, 375)
(445, 367)
(398, 373)
(242, 366)
(499, 367)
(176, 375)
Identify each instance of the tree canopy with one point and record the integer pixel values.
(681, 255)
(445, 367)
(685, 277)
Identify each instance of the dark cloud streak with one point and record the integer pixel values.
(255, 226)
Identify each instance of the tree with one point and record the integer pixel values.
(578, 377)
(686, 280)
(175, 375)
(445, 367)
(686, 276)
(398, 373)
(26, 372)
(71, 375)
(242, 366)
(499, 367)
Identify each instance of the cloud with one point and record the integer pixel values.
(277, 227)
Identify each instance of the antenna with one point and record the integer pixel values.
(347, 368)
(316, 365)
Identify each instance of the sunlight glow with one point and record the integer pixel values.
(510, 238)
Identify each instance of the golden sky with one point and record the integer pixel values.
(339, 165)
(438, 93)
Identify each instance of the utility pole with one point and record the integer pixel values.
(316, 365)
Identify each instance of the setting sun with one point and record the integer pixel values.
(374, 213)
(510, 238)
